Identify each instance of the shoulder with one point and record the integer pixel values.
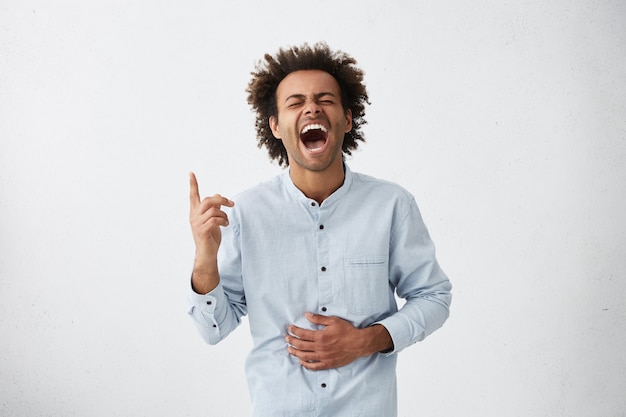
(271, 185)
(386, 196)
(262, 197)
(379, 187)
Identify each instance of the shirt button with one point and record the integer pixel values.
(323, 385)
(209, 303)
(312, 204)
(323, 269)
(321, 227)
(324, 309)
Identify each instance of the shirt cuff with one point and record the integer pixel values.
(400, 335)
(205, 310)
(207, 302)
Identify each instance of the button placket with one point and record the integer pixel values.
(324, 272)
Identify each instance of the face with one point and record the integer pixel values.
(311, 121)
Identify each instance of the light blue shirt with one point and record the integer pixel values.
(283, 255)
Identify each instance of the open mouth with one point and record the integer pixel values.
(314, 137)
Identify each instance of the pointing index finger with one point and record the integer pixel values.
(194, 194)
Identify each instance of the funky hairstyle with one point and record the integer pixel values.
(270, 72)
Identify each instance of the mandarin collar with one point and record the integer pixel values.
(298, 195)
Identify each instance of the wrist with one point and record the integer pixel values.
(205, 276)
(380, 339)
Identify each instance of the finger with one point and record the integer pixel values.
(212, 222)
(211, 213)
(300, 344)
(303, 334)
(216, 201)
(314, 366)
(319, 319)
(309, 360)
(303, 355)
(194, 194)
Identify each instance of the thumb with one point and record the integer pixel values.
(318, 319)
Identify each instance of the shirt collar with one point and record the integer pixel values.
(298, 195)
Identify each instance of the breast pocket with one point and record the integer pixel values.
(366, 284)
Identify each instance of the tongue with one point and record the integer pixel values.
(314, 144)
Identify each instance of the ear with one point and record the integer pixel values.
(348, 120)
(274, 126)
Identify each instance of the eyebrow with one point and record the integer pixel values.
(316, 96)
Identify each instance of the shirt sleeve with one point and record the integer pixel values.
(209, 313)
(417, 277)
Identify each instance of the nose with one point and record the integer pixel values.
(312, 108)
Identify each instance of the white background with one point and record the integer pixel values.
(506, 120)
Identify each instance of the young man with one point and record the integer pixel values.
(314, 256)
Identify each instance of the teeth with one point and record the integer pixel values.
(313, 126)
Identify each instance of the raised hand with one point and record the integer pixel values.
(206, 217)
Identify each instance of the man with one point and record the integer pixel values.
(314, 256)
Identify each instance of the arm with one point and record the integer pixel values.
(417, 277)
(214, 311)
(415, 274)
(206, 218)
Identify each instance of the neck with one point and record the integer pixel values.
(318, 185)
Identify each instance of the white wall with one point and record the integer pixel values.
(506, 119)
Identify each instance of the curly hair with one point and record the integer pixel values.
(268, 74)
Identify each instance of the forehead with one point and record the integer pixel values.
(307, 82)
